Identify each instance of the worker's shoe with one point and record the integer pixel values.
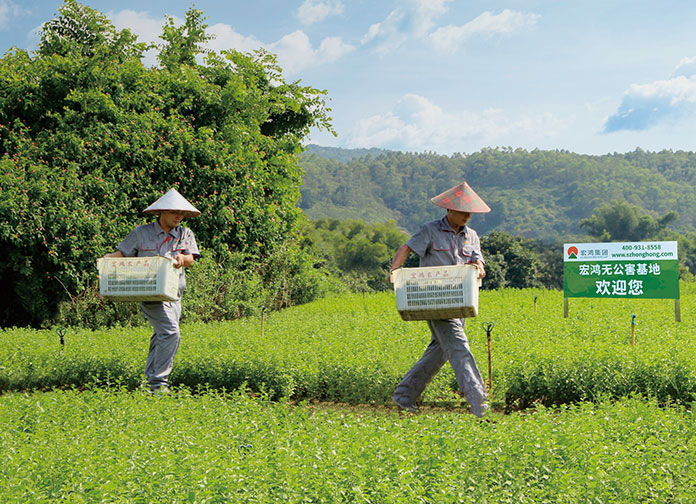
(407, 408)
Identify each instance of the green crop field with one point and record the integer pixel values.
(131, 447)
(301, 412)
(355, 349)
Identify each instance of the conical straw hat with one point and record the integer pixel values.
(461, 198)
(172, 200)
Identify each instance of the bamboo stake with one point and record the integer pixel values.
(488, 326)
(633, 329)
(263, 321)
(490, 364)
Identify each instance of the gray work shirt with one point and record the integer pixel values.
(437, 244)
(150, 240)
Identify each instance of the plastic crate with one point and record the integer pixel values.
(437, 292)
(138, 278)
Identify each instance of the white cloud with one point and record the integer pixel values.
(228, 38)
(677, 90)
(386, 36)
(294, 51)
(414, 19)
(424, 14)
(417, 124)
(645, 105)
(451, 37)
(147, 28)
(332, 49)
(686, 67)
(311, 11)
(8, 11)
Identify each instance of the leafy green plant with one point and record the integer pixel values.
(89, 137)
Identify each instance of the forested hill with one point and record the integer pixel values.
(344, 155)
(537, 194)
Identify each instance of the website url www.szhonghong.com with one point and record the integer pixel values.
(645, 254)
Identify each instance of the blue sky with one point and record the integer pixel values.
(447, 76)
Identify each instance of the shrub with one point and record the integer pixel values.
(239, 287)
(89, 137)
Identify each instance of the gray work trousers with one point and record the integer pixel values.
(448, 343)
(164, 317)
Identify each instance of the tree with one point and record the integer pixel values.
(89, 137)
(82, 30)
(183, 43)
(356, 249)
(621, 221)
(512, 260)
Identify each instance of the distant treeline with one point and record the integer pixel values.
(535, 194)
(360, 255)
(540, 200)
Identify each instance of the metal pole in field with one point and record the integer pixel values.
(488, 326)
(633, 329)
(677, 311)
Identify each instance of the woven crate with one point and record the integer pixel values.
(138, 278)
(437, 292)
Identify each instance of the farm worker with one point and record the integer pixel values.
(443, 242)
(163, 237)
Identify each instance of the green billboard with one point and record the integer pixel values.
(646, 270)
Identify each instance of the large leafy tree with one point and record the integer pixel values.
(619, 220)
(358, 250)
(89, 137)
(510, 261)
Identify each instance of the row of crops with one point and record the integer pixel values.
(355, 349)
(114, 446)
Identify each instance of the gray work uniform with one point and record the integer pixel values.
(147, 241)
(437, 244)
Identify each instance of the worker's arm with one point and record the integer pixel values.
(399, 259)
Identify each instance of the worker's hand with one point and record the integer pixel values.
(183, 260)
(118, 253)
(179, 261)
(482, 270)
(399, 259)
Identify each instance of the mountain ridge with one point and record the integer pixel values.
(536, 194)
